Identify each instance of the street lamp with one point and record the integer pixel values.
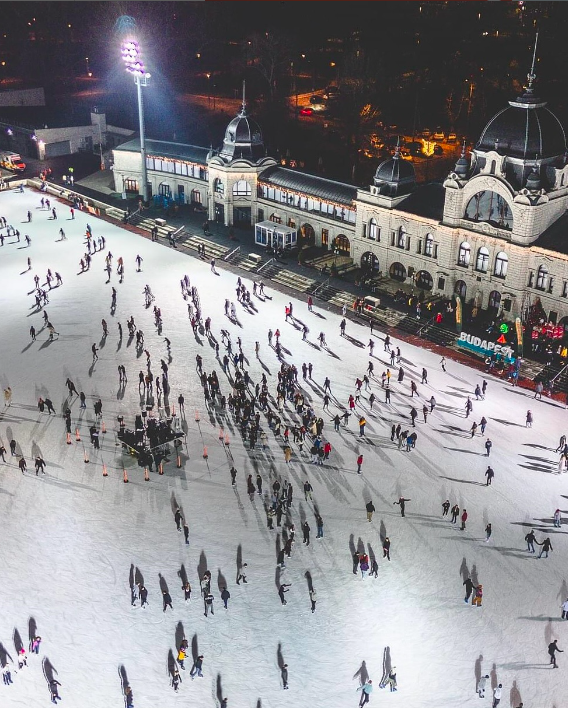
(208, 75)
(131, 58)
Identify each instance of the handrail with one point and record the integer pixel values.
(228, 255)
(562, 370)
(175, 233)
(419, 333)
(321, 285)
(265, 264)
(129, 216)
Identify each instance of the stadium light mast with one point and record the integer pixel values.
(131, 56)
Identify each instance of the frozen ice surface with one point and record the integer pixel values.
(69, 538)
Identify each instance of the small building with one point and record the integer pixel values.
(272, 235)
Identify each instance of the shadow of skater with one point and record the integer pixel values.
(194, 648)
(219, 687)
(32, 631)
(464, 570)
(478, 663)
(515, 695)
(362, 674)
(4, 656)
(49, 672)
(126, 690)
(202, 565)
(182, 574)
(18, 644)
(172, 666)
(309, 580)
(382, 531)
(387, 666)
(221, 580)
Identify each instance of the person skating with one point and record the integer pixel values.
(284, 676)
(546, 546)
(455, 513)
(178, 519)
(208, 602)
(143, 596)
(564, 607)
(386, 548)
(366, 690)
(463, 520)
(392, 680)
(22, 465)
(478, 597)
(313, 599)
(95, 352)
(374, 568)
(196, 669)
(167, 600)
(306, 532)
(281, 590)
(401, 502)
(241, 575)
(225, 596)
(481, 686)
(370, 507)
(233, 472)
(489, 473)
(488, 446)
(54, 691)
(186, 587)
(359, 463)
(497, 693)
(488, 532)
(319, 524)
(445, 507)
(39, 465)
(308, 489)
(468, 582)
(176, 680)
(356, 561)
(530, 538)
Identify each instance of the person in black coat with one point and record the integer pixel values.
(306, 531)
(281, 590)
(284, 675)
(225, 596)
(468, 589)
(143, 596)
(167, 600)
(355, 564)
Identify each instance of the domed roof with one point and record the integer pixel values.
(526, 129)
(243, 139)
(395, 176)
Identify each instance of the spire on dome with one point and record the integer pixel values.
(531, 76)
(244, 105)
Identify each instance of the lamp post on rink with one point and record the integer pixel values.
(131, 56)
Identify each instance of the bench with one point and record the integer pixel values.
(255, 258)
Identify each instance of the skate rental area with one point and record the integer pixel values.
(98, 567)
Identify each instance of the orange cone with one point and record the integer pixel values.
(173, 408)
(227, 439)
(103, 427)
(160, 468)
(124, 476)
(105, 473)
(85, 456)
(197, 416)
(77, 436)
(178, 462)
(205, 455)
(221, 433)
(69, 438)
(146, 475)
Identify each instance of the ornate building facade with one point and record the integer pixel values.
(495, 232)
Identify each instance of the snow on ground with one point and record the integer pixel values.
(69, 538)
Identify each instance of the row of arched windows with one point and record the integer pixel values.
(373, 233)
(240, 189)
(482, 260)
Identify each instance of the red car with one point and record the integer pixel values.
(306, 111)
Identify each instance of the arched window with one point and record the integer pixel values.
(482, 263)
(218, 187)
(374, 230)
(460, 289)
(494, 300)
(242, 189)
(501, 264)
(429, 245)
(541, 278)
(490, 207)
(464, 254)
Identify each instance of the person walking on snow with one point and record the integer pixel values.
(489, 473)
(401, 502)
(468, 582)
(481, 686)
(370, 507)
(546, 546)
(530, 538)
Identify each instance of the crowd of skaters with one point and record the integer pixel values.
(285, 412)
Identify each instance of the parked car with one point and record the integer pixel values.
(452, 138)
(306, 111)
(439, 134)
(331, 92)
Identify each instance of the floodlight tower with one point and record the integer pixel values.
(131, 56)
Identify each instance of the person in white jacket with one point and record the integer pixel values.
(481, 686)
(564, 607)
(497, 693)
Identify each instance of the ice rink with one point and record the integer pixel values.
(70, 538)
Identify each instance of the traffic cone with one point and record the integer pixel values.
(205, 455)
(105, 473)
(161, 468)
(227, 439)
(173, 408)
(103, 427)
(85, 455)
(221, 433)
(124, 476)
(69, 438)
(178, 461)
(77, 436)
(146, 475)
(197, 416)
